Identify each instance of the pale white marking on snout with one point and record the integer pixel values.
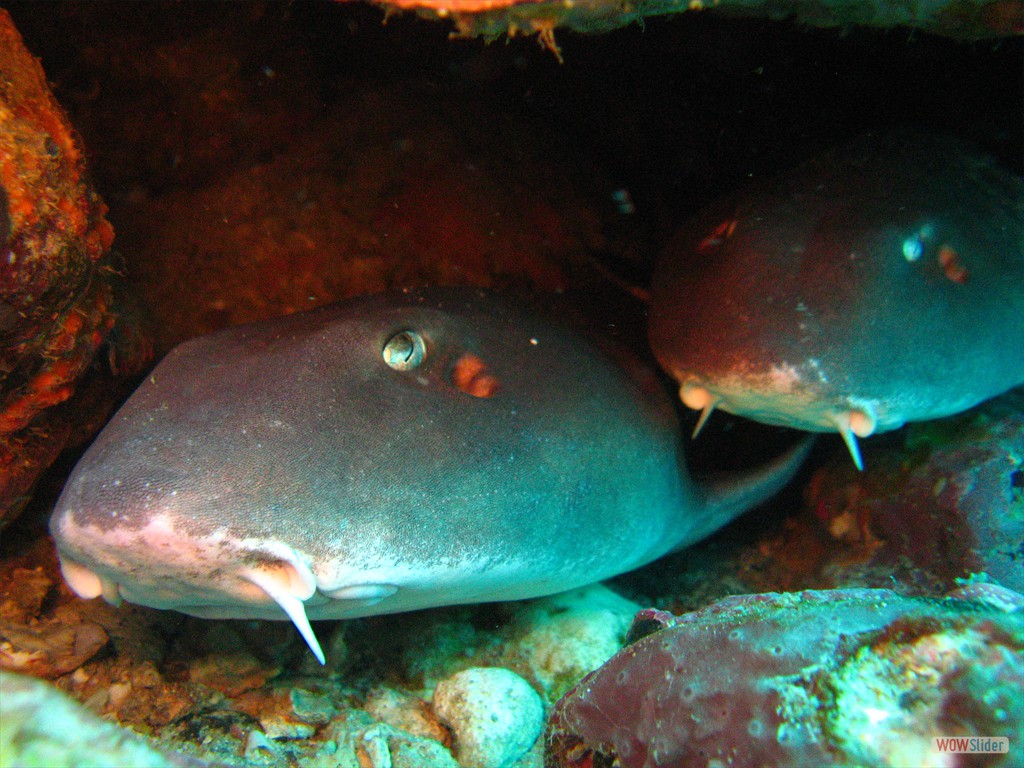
(162, 566)
(788, 396)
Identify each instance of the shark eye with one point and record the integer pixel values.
(405, 351)
(913, 247)
(918, 242)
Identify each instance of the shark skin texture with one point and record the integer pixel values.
(881, 283)
(389, 453)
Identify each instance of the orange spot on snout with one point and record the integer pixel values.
(951, 265)
(472, 376)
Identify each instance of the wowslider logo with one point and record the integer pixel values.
(971, 745)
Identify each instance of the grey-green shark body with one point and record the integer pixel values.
(878, 284)
(390, 453)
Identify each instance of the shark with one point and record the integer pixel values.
(877, 284)
(388, 453)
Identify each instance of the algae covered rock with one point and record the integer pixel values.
(494, 714)
(816, 678)
(40, 727)
(56, 275)
(967, 19)
(560, 638)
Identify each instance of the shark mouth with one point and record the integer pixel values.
(859, 420)
(289, 583)
(274, 569)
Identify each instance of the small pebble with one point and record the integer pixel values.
(310, 707)
(404, 713)
(375, 747)
(494, 714)
(257, 742)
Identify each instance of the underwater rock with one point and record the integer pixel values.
(191, 103)
(232, 673)
(410, 752)
(399, 209)
(56, 299)
(291, 713)
(51, 649)
(551, 642)
(41, 643)
(494, 714)
(404, 712)
(223, 734)
(968, 19)
(990, 594)
(843, 677)
(312, 706)
(381, 746)
(561, 638)
(41, 727)
(948, 504)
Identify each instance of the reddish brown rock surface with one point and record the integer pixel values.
(816, 678)
(948, 504)
(55, 300)
(969, 19)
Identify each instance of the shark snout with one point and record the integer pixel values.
(156, 562)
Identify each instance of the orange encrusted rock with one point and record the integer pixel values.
(55, 294)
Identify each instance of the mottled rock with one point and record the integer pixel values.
(405, 713)
(311, 707)
(381, 746)
(49, 650)
(265, 239)
(43, 644)
(231, 673)
(40, 727)
(412, 752)
(139, 694)
(816, 678)
(56, 297)
(561, 638)
(948, 504)
(494, 714)
(22, 592)
(970, 19)
(223, 734)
